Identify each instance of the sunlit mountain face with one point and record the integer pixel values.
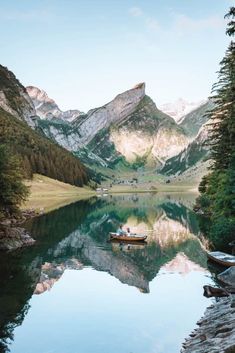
(76, 237)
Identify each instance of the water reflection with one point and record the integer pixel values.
(75, 237)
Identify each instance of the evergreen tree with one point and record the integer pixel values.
(12, 190)
(222, 132)
(217, 189)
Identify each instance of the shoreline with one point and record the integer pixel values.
(216, 331)
(47, 194)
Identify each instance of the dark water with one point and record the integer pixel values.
(76, 292)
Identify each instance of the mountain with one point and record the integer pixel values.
(37, 153)
(196, 152)
(193, 121)
(178, 109)
(129, 128)
(196, 126)
(14, 98)
(46, 108)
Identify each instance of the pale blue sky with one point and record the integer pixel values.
(83, 53)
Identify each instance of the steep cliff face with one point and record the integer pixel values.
(147, 135)
(193, 121)
(196, 126)
(46, 108)
(14, 98)
(130, 127)
(112, 113)
(196, 152)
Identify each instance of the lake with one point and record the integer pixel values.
(74, 291)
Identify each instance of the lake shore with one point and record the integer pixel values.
(216, 331)
(47, 194)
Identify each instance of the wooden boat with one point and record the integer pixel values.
(131, 238)
(222, 258)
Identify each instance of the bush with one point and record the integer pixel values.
(222, 232)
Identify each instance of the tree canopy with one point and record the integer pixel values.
(217, 189)
(13, 191)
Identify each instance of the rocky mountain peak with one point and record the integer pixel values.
(14, 98)
(38, 94)
(111, 113)
(46, 107)
(140, 85)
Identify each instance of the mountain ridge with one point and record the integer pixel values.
(111, 132)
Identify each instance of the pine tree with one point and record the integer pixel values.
(222, 131)
(12, 190)
(218, 188)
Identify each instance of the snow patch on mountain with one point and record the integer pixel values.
(178, 109)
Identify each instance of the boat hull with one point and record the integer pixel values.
(114, 236)
(221, 258)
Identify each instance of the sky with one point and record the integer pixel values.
(83, 52)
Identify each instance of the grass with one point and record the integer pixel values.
(47, 194)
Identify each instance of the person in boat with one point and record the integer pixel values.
(121, 231)
(128, 233)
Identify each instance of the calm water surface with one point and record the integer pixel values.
(74, 292)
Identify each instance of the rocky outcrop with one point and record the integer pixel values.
(46, 108)
(196, 151)
(216, 332)
(12, 238)
(112, 113)
(228, 276)
(14, 98)
(193, 121)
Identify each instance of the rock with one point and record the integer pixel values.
(46, 108)
(6, 222)
(210, 291)
(216, 332)
(228, 276)
(19, 104)
(14, 237)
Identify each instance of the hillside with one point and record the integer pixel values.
(193, 121)
(39, 154)
(47, 194)
(14, 98)
(19, 130)
(196, 152)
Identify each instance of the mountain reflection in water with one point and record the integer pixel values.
(75, 237)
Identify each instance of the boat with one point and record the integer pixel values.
(222, 258)
(128, 238)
